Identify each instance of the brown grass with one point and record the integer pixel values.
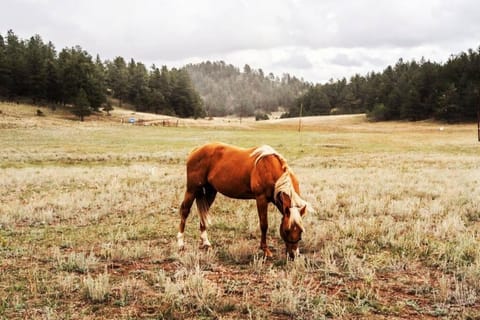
(89, 216)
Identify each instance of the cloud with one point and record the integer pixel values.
(342, 59)
(294, 60)
(318, 39)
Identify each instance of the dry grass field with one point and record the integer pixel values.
(89, 216)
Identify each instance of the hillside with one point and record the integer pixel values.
(226, 90)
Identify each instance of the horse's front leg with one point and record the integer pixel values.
(184, 213)
(262, 208)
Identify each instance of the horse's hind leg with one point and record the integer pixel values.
(204, 199)
(184, 212)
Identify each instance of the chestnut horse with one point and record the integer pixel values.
(258, 173)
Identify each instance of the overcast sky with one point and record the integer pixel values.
(313, 39)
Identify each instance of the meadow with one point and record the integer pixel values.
(89, 217)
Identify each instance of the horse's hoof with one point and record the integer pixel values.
(267, 253)
(180, 241)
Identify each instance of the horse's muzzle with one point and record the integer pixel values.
(292, 253)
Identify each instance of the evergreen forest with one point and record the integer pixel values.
(32, 69)
(410, 90)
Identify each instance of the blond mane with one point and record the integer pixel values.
(265, 150)
(283, 184)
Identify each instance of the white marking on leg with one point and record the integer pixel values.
(180, 242)
(204, 238)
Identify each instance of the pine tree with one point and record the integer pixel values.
(16, 65)
(96, 88)
(53, 92)
(36, 64)
(81, 105)
(117, 79)
(156, 100)
(137, 85)
(184, 100)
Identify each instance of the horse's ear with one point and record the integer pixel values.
(303, 210)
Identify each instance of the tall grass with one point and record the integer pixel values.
(89, 216)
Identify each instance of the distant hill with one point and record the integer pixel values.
(226, 90)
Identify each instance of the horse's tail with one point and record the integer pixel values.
(203, 205)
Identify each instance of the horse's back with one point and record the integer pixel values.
(227, 168)
(218, 153)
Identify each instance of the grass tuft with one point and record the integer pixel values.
(97, 289)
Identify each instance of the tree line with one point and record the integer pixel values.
(34, 70)
(409, 90)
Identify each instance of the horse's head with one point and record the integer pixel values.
(291, 228)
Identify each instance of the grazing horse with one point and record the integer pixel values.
(258, 173)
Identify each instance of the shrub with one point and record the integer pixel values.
(261, 116)
(378, 113)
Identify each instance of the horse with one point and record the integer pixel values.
(258, 173)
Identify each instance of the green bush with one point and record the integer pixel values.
(378, 113)
(261, 116)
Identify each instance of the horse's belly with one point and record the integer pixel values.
(231, 177)
(234, 188)
(237, 195)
